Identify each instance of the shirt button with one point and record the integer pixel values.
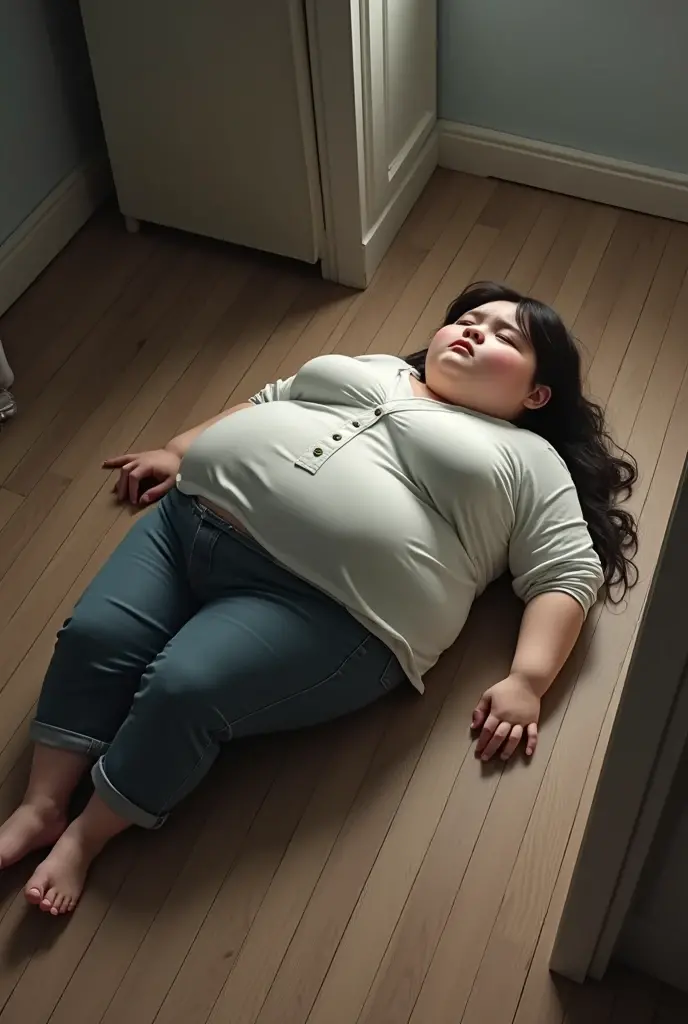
(356, 424)
(378, 412)
(336, 437)
(317, 451)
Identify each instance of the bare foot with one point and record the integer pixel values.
(57, 882)
(29, 828)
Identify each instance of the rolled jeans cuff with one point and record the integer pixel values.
(64, 739)
(120, 804)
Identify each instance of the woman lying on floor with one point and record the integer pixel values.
(316, 548)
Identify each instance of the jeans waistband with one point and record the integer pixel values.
(216, 521)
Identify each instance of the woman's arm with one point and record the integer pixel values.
(138, 470)
(550, 627)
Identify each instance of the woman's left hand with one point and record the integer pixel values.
(506, 713)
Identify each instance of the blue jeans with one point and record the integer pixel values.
(189, 636)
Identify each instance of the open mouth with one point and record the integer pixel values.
(462, 346)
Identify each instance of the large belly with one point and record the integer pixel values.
(357, 526)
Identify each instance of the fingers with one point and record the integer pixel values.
(157, 492)
(481, 712)
(135, 476)
(118, 461)
(494, 740)
(512, 742)
(496, 735)
(122, 485)
(487, 732)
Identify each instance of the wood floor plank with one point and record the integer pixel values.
(255, 968)
(536, 249)
(585, 263)
(553, 272)
(241, 895)
(626, 312)
(28, 516)
(100, 314)
(659, 399)
(590, 323)
(525, 205)
(167, 943)
(9, 504)
(66, 301)
(635, 370)
(134, 341)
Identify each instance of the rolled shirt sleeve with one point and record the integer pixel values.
(279, 391)
(550, 547)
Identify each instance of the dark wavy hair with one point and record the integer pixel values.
(603, 473)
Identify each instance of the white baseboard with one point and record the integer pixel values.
(38, 239)
(493, 154)
(380, 237)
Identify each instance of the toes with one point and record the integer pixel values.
(33, 893)
(49, 900)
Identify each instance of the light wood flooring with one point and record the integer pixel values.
(370, 872)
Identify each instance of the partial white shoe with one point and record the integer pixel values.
(6, 375)
(8, 406)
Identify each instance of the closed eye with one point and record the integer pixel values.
(508, 339)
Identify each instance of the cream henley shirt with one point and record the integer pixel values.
(401, 508)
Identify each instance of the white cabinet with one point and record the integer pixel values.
(208, 117)
(307, 132)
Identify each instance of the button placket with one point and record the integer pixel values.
(317, 456)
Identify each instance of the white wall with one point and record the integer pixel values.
(48, 114)
(605, 77)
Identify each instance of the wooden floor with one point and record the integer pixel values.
(371, 871)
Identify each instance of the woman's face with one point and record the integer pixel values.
(484, 362)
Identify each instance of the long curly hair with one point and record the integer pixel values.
(603, 473)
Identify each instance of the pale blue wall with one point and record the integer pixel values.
(605, 76)
(48, 113)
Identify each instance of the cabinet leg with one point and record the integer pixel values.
(133, 225)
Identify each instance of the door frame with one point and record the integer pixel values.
(648, 737)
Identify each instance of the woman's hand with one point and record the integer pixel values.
(138, 469)
(505, 713)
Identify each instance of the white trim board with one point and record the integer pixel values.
(481, 151)
(46, 231)
(378, 240)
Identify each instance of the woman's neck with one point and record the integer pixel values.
(421, 390)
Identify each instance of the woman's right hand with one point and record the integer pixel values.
(137, 469)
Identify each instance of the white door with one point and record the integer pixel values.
(373, 64)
